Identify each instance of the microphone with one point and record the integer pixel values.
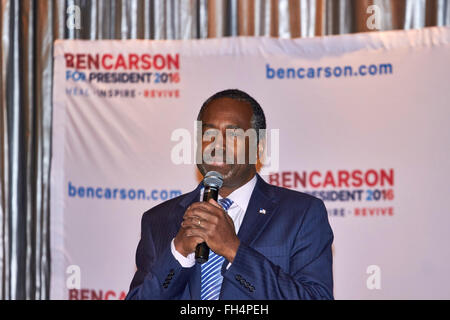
(212, 182)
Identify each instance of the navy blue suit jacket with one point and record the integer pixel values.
(284, 253)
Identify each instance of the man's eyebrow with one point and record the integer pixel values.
(208, 125)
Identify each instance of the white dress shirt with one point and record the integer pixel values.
(240, 197)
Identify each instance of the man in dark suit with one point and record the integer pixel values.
(266, 242)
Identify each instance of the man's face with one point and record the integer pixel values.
(227, 114)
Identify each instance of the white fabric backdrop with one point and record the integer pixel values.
(363, 116)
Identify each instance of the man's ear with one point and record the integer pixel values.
(261, 153)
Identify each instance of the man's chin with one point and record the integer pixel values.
(223, 168)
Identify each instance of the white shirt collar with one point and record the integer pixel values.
(241, 196)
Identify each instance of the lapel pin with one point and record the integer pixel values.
(262, 211)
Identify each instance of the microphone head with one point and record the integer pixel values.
(213, 179)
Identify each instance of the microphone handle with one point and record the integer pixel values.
(202, 249)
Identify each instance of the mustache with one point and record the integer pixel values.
(217, 155)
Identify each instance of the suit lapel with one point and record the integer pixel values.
(191, 197)
(254, 222)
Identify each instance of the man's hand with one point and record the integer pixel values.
(185, 244)
(210, 223)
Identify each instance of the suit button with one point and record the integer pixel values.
(238, 277)
(165, 285)
(242, 281)
(171, 272)
(252, 288)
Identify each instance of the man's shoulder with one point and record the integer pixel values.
(295, 206)
(294, 203)
(296, 209)
(291, 197)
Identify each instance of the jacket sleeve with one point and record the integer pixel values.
(310, 270)
(157, 276)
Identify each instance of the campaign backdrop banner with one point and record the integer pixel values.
(360, 121)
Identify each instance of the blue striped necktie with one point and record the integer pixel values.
(211, 269)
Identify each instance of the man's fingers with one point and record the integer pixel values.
(191, 222)
(214, 203)
(197, 232)
(200, 213)
(196, 223)
(197, 215)
(204, 206)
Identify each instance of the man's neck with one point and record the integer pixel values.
(226, 191)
